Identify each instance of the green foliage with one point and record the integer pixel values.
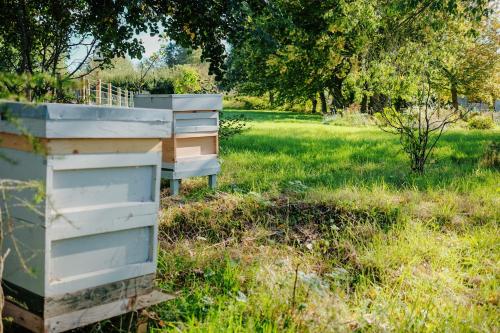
(162, 86)
(481, 122)
(40, 87)
(367, 51)
(158, 79)
(186, 81)
(231, 125)
(173, 54)
(242, 102)
(39, 36)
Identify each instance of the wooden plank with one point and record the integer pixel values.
(68, 223)
(90, 297)
(181, 174)
(85, 317)
(99, 252)
(30, 300)
(79, 146)
(192, 147)
(195, 114)
(168, 151)
(194, 129)
(80, 188)
(91, 161)
(21, 142)
(23, 317)
(196, 135)
(107, 129)
(105, 276)
(193, 163)
(97, 146)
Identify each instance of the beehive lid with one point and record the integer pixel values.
(51, 120)
(180, 102)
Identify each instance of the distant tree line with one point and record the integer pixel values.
(371, 52)
(327, 53)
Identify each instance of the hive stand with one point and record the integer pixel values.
(88, 306)
(193, 148)
(87, 250)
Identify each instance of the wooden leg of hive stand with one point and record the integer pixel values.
(212, 181)
(175, 186)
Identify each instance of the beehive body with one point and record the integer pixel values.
(193, 148)
(99, 170)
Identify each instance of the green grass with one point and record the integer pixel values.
(279, 150)
(321, 228)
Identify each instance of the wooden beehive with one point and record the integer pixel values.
(92, 239)
(193, 148)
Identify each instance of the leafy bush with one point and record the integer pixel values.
(481, 122)
(231, 126)
(186, 81)
(38, 87)
(246, 103)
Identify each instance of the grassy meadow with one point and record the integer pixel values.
(321, 228)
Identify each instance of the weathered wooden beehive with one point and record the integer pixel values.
(87, 251)
(193, 148)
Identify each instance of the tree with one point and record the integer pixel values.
(298, 49)
(172, 54)
(39, 36)
(467, 59)
(413, 33)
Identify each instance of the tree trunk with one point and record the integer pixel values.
(364, 104)
(271, 98)
(324, 107)
(314, 101)
(454, 96)
(338, 100)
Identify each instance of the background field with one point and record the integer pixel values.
(317, 228)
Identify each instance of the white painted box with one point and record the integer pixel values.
(99, 168)
(193, 148)
(179, 102)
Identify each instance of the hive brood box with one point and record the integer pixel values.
(92, 240)
(193, 148)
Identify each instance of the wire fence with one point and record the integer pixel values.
(97, 92)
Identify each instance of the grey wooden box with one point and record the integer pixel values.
(193, 148)
(100, 170)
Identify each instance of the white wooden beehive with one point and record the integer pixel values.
(193, 148)
(97, 221)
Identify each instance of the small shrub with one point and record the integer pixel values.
(187, 81)
(246, 103)
(231, 126)
(349, 119)
(481, 122)
(491, 156)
